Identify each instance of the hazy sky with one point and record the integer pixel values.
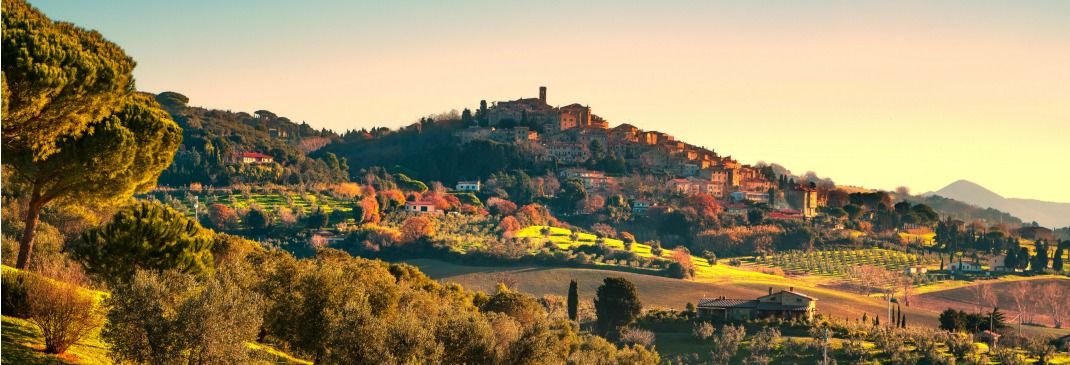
(915, 93)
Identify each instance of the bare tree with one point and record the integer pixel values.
(1054, 298)
(985, 296)
(1019, 291)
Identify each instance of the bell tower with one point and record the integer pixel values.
(542, 94)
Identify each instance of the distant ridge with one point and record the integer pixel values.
(1048, 214)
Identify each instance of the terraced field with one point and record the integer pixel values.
(836, 263)
(306, 202)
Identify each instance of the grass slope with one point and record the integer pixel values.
(22, 344)
(704, 271)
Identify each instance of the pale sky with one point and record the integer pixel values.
(877, 94)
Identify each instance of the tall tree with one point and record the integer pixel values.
(73, 129)
(1040, 261)
(123, 154)
(618, 208)
(616, 304)
(58, 79)
(572, 192)
(573, 301)
(1011, 260)
(1057, 261)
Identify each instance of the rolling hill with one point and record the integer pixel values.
(665, 292)
(1048, 214)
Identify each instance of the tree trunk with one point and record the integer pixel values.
(33, 211)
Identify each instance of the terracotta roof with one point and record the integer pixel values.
(420, 202)
(255, 155)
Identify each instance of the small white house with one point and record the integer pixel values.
(964, 267)
(421, 207)
(469, 185)
(639, 206)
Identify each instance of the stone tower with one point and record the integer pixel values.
(542, 94)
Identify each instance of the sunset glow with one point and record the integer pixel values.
(878, 95)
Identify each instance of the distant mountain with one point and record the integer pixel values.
(1048, 214)
(964, 211)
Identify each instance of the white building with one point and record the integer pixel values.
(469, 185)
(964, 267)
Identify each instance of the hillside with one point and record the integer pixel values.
(653, 290)
(673, 293)
(212, 140)
(964, 211)
(1048, 214)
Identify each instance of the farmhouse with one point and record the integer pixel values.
(1035, 233)
(421, 207)
(782, 304)
(255, 158)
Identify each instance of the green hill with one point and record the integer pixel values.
(211, 140)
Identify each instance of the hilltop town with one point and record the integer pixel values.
(572, 136)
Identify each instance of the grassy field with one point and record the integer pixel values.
(22, 344)
(925, 238)
(704, 271)
(654, 291)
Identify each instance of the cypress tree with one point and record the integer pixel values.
(903, 322)
(1040, 261)
(573, 301)
(616, 305)
(1011, 261)
(876, 320)
(1057, 262)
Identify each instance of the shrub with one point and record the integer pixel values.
(59, 308)
(703, 330)
(257, 218)
(15, 299)
(680, 271)
(636, 336)
(726, 343)
(655, 249)
(170, 318)
(146, 236)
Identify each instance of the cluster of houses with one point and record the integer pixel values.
(571, 132)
